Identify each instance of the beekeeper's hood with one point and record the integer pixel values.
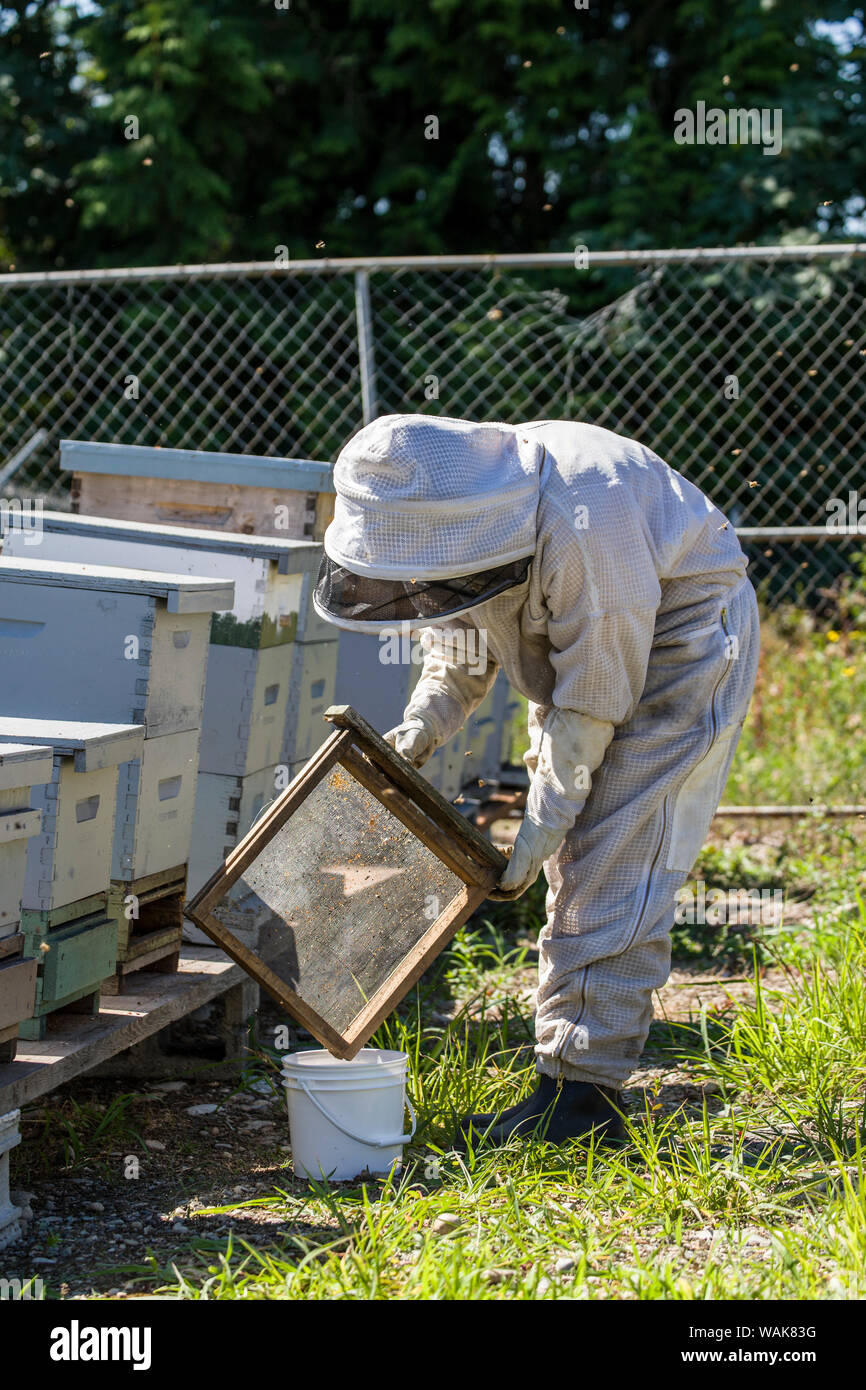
(433, 516)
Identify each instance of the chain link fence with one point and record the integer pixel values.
(745, 369)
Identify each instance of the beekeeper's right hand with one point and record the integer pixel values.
(413, 740)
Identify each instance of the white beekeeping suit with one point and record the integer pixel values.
(612, 593)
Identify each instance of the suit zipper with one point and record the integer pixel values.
(714, 713)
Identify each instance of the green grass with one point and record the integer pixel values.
(759, 1195)
(744, 1178)
(68, 1135)
(749, 1188)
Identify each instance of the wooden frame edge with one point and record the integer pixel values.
(423, 953)
(233, 865)
(313, 1022)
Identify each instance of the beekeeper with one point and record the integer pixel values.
(613, 594)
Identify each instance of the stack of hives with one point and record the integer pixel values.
(23, 767)
(83, 643)
(271, 668)
(66, 932)
(294, 499)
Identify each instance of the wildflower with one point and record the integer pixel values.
(832, 635)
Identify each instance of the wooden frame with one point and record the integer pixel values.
(405, 793)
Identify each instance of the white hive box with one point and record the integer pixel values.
(271, 577)
(251, 661)
(226, 807)
(246, 708)
(312, 683)
(377, 688)
(92, 642)
(155, 806)
(22, 767)
(69, 859)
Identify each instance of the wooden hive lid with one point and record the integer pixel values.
(25, 765)
(196, 465)
(181, 593)
(92, 746)
(292, 556)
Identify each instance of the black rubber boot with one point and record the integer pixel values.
(555, 1112)
(479, 1124)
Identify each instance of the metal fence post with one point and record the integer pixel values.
(366, 351)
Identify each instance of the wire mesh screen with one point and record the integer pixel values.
(745, 371)
(338, 898)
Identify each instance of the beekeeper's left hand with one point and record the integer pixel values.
(534, 844)
(413, 740)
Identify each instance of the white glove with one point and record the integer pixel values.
(413, 740)
(534, 844)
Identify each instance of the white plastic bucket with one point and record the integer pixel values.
(346, 1118)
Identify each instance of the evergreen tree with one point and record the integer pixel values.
(382, 126)
(43, 124)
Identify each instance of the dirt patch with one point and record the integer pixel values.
(145, 1194)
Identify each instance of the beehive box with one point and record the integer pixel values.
(22, 767)
(355, 877)
(147, 914)
(225, 809)
(378, 688)
(199, 488)
(17, 992)
(272, 578)
(155, 805)
(250, 666)
(246, 708)
(312, 683)
(76, 947)
(70, 857)
(90, 642)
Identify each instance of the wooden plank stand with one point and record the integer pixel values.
(149, 917)
(348, 887)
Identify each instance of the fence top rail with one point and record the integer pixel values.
(827, 532)
(540, 260)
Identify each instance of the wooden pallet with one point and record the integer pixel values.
(73, 1045)
(152, 940)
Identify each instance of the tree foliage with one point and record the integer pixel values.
(383, 126)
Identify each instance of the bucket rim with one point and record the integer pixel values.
(373, 1059)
